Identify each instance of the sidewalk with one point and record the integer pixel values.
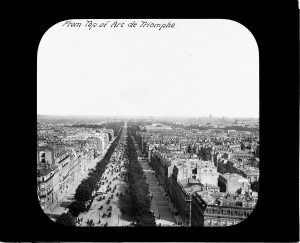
(68, 198)
(159, 204)
(168, 199)
(171, 205)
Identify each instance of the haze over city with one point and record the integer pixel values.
(200, 67)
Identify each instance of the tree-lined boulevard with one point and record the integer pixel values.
(86, 191)
(115, 193)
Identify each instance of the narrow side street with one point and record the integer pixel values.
(159, 204)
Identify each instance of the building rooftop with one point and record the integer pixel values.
(251, 170)
(248, 170)
(207, 197)
(189, 188)
(235, 177)
(226, 199)
(43, 170)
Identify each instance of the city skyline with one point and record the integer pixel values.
(149, 116)
(200, 67)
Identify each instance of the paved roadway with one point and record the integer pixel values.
(117, 203)
(115, 179)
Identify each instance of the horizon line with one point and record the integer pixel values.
(151, 116)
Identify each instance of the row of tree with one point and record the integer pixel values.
(114, 126)
(133, 127)
(138, 187)
(135, 132)
(84, 193)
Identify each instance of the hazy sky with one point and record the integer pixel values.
(197, 68)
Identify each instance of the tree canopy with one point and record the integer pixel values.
(84, 191)
(66, 219)
(76, 207)
(138, 187)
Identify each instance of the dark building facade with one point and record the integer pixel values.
(181, 200)
(160, 166)
(207, 211)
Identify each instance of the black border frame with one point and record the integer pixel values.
(276, 217)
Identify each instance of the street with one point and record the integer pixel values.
(159, 203)
(112, 205)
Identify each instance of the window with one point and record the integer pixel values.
(208, 222)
